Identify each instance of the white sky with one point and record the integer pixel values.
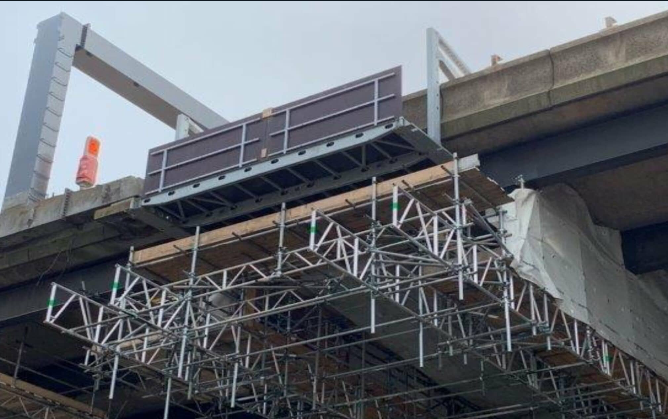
(240, 58)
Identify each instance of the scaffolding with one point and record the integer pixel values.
(20, 398)
(351, 312)
(395, 300)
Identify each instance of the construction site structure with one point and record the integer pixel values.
(327, 258)
(303, 328)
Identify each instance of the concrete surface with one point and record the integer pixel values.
(596, 77)
(16, 219)
(71, 230)
(629, 196)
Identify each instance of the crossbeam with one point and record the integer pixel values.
(63, 43)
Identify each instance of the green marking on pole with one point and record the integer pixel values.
(115, 285)
(51, 302)
(608, 358)
(395, 206)
(312, 229)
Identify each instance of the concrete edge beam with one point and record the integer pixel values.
(613, 59)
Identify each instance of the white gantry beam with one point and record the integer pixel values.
(63, 43)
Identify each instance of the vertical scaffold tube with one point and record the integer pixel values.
(435, 309)
(421, 332)
(356, 251)
(115, 285)
(188, 303)
(506, 307)
(395, 205)
(51, 303)
(374, 202)
(281, 243)
(397, 282)
(533, 309)
(168, 395)
(312, 230)
(121, 304)
(547, 319)
(458, 221)
(114, 372)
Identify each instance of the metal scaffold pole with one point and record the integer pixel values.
(374, 256)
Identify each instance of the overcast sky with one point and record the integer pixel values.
(240, 58)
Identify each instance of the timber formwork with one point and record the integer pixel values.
(392, 301)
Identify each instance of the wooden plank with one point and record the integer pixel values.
(51, 396)
(115, 208)
(488, 189)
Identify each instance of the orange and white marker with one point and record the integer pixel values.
(87, 171)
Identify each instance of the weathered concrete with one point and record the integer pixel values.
(627, 197)
(612, 72)
(74, 229)
(563, 93)
(24, 217)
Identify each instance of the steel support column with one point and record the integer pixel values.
(63, 43)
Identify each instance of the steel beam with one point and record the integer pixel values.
(127, 77)
(63, 43)
(43, 106)
(17, 303)
(440, 58)
(613, 143)
(645, 249)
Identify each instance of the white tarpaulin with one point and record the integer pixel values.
(558, 247)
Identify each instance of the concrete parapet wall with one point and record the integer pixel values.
(22, 217)
(589, 79)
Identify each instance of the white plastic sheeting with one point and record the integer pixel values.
(558, 247)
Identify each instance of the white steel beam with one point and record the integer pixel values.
(440, 58)
(62, 43)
